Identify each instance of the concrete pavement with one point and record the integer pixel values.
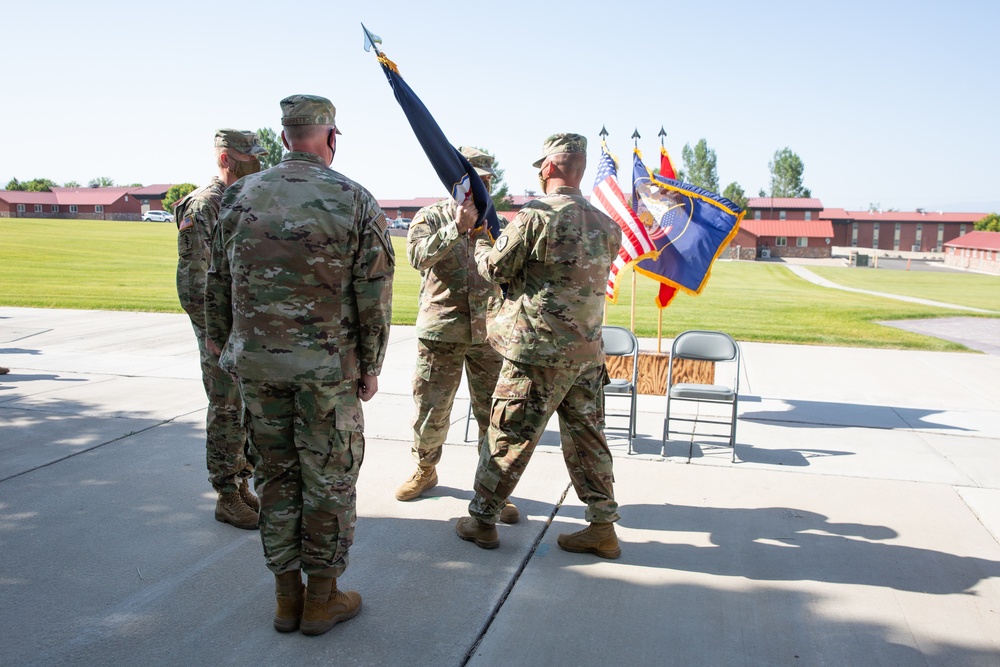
(859, 526)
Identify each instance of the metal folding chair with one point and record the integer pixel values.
(620, 342)
(713, 346)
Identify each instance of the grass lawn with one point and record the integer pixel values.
(964, 289)
(130, 266)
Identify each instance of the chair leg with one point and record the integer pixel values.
(631, 421)
(732, 435)
(468, 421)
(666, 430)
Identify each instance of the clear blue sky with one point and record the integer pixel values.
(889, 102)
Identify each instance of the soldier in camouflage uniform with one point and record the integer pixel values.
(236, 155)
(300, 294)
(554, 258)
(455, 304)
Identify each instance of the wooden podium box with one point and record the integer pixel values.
(653, 371)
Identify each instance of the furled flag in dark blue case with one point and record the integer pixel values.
(691, 227)
(455, 172)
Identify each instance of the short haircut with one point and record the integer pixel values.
(570, 163)
(300, 133)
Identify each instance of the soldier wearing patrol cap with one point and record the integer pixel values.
(236, 155)
(300, 299)
(456, 304)
(554, 258)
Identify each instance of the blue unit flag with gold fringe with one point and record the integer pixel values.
(691, 227)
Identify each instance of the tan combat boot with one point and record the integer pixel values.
(509, 513)
(326, 606)
(483, 534)
(231, 509)
(290, 594)
(252, 501)
(424, 478)
(597, 538)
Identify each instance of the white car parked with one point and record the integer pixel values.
(157, 216)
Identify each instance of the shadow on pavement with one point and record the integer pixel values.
(789, 544)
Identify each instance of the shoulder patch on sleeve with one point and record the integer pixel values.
(186, 223)
(509, 240)
(380, 222)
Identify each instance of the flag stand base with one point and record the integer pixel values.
(653, 369)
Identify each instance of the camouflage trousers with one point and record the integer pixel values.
(226, 436)
(435, 382)
(523, 402)
(306, 444)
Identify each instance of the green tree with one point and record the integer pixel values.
(700, 166)
(990, 223)
(271, 141)
(735, 194)
(176, 193)
(499, 192)
(41, 185)
(71, 184)
(134, 185)
(34, 185)
(786, 175)
(101, 182)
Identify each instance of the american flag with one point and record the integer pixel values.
(608, 197)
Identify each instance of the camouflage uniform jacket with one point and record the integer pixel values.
(300, 288)
(555, 257)
(195, 216)
(455, 301)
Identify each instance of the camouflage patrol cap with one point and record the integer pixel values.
(482, 162)
(562, 143)
(308, 110)
(243, 141)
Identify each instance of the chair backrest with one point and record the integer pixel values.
(705, 346)
(619, 341)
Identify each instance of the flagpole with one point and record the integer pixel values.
(659, 311)
(604, 135)
(635, 140)
(632, 319)
(659, 330)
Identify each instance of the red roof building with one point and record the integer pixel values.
(116, 203)
(976, 251)
(899, 231)
(786, 238)
(783, 208)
